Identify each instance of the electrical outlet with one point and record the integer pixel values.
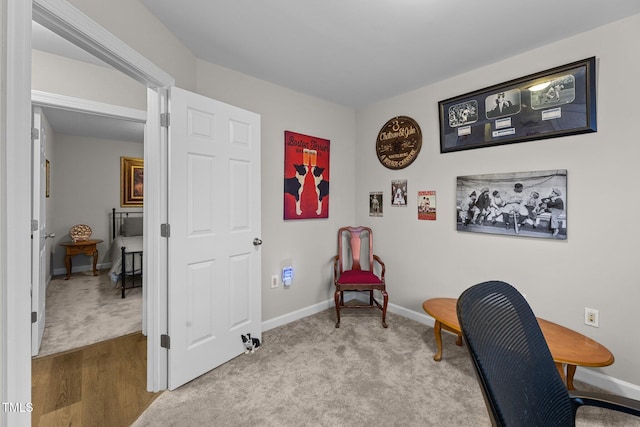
(591, 317)
(274, 281)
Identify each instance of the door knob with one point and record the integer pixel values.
(257, 242)
(50, 235)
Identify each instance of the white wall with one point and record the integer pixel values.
(132, 23)
(595, 267)
(85, 186)
(3, 281)
(307, 244)
(56, 74)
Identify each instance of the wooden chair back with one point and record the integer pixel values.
(355, 248)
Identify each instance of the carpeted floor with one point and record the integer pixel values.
(308, 373)
(87, 309)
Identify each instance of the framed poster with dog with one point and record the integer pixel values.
(306, 176)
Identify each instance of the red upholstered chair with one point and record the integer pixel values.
(353, 269)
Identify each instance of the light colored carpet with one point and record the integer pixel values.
(87, 309)
(308, 373)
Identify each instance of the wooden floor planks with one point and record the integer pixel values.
(103, 384)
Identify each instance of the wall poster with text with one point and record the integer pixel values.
(427, 205)
(306, 176)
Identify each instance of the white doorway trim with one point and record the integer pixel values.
(88, 107)
(69, 103)
(15, 306)
(70, 23)
(15, 194)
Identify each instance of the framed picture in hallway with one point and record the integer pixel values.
(523, 204)
(131, 182)
(306, 176)
(548, 104)
(47, 190)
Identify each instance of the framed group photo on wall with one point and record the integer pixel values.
(523, 204)
(131, 182)
(548, 104)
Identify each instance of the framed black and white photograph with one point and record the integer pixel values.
(548, 104)
(375, 203)
(528, 204)
(399, 192)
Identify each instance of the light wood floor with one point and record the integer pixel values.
(103, 384)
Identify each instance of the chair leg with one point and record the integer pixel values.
(338, 297)
(385, 301)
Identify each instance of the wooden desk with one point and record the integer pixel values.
(86, 247)
(567, 346)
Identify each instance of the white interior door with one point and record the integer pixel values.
(214, 217)
(38, 232)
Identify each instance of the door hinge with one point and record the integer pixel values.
(165, 120)
(34, 225)
(34, 316)
(165, 341)
(35, 134)
(165, 230)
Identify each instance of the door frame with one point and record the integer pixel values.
(39, 232)
(15, 154)
(42, 99)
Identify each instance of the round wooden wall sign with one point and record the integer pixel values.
(399, 142)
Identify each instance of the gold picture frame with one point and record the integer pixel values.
(131, 182)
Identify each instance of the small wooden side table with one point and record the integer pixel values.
(568, 347)
(86, 247)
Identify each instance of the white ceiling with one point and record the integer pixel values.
(352, 52)
(93, 125)
(355, 52)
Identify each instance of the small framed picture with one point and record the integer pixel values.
(399, 192)
(427, 205)
(375, 204)
(131, 181)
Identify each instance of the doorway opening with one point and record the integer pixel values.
(83, 142)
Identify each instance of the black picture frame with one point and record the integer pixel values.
(557, 102)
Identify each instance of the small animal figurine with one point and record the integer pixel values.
(251, 344)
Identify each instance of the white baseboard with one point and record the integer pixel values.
(586, 375)
(612, 385)
(81, 268)
(296, 315)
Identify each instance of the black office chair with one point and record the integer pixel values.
(518, 377)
